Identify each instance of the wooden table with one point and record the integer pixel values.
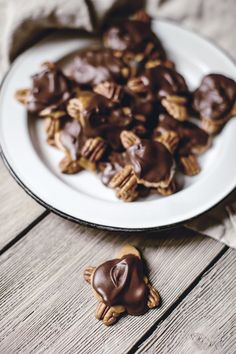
(46, 307)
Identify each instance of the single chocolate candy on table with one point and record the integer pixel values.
(215, 101)
(120, 285)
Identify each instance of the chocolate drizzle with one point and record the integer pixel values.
(215, 97)
(151, 161)
(121, 282)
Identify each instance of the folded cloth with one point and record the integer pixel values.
(25, 21)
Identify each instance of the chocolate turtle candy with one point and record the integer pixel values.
(215, 101)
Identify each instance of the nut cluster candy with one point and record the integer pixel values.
(123, 111)
(120, 285)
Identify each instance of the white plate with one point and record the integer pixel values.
(82, 197)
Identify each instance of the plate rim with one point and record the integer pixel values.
(98, 225)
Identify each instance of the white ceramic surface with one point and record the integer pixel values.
(82, 197)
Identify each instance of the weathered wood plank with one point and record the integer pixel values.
(17, 209)
(205, 322)
(45, 306)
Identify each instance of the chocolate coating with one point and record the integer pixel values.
(121, 282)
(151, 161)
(102, 118)
(91, 67)
(215, 97)
(166, 82)
(133, 36)
(71, 138)
(191, 136)
(116, 162)
(50, 87)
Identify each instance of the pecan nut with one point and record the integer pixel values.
(22, 96)
(52, 127)
(110, 90)
(88, 273)
(138, 84)
(156, 62)
(176, 106)
(170, 139)
(128, 138)
(125, 183)
(87, 165)
(94, 149)
(189, 165)
(69, 166)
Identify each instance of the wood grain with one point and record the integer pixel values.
(205, 322)
(17, 209)
(45, 305)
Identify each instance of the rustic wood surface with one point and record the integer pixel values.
(205, 322)
(17, 210)
(46, 306)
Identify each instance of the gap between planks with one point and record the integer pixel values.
(206, 320)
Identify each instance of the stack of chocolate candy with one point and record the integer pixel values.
(123, 111)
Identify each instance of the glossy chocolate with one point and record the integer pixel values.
(91, 67)
(116, 161)
(166, 82)
(121, 282)
(215, 97)
(71, 138)
(50, 87)
(102, 118)
(132, 36)
(151, 161)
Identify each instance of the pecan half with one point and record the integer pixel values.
(88, 273)
(110, 90)
(176, 106)
(50, 112)
(79, 104)
(51, 126)
(156, 62)
(93, 149)
(138, 84)
(189, 165)
(69, 166)
(109, 315)
(22, 96)
(125, 183)
(87, 165)
(128, 138)
(170, 139)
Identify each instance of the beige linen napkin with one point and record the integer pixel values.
(22, 22)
